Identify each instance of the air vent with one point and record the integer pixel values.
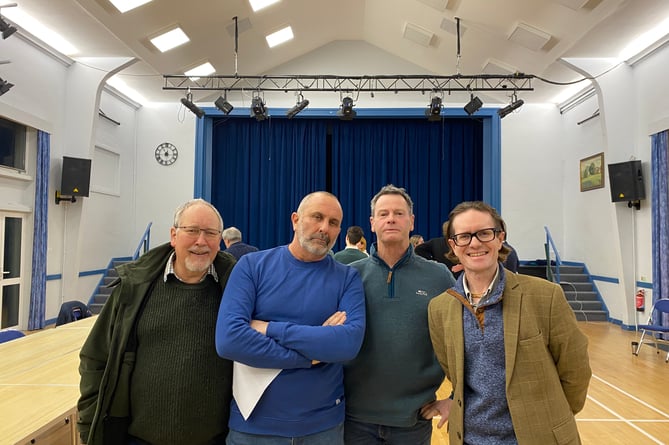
(572, 4)
(529, 37)
(418, 35)
(493, 66)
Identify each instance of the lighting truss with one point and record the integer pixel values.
(380, 83)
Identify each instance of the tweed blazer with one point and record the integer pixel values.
(546, 356)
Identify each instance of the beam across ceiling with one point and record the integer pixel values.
(380, 83)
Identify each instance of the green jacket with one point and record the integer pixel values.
(105, 367)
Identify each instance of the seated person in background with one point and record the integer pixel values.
(232, 237)
(351, 252)
(416, 240)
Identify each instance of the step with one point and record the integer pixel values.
(573, 278)
(95, 308)
(100, 298)
(105, 290)
(581, 296)
(576, 287)
(586, 306)
(590, 315)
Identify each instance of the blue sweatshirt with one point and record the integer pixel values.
(295, 297)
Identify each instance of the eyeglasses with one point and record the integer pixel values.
(483, 235)
(194, 232)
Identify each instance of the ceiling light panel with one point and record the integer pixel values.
(529, 37)
(417, 34)
(279, 37)
(451, 26)
(257, 5)
(170, 39)
(128, 5)
(572, 4)
(494, 66)
(201, 70)
(439, 5)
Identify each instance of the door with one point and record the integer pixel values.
(11, 240)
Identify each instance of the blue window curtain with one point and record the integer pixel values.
(37, 307)
(660, 216)
(438, 163)
(261, 170)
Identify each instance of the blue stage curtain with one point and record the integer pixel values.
(261, 171)
(438, 163)
(660, 216)
(37, 307)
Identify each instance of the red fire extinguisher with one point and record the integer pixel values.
(640, 300)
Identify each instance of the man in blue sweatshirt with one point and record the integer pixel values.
(297, 310)
(391, 385)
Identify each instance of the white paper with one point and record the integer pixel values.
(249, 384)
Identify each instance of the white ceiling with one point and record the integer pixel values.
(573, 28)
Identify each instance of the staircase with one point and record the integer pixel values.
(581, 293)
(102, 291)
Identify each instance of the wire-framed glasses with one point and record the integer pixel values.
(483, 235)
(194, 232)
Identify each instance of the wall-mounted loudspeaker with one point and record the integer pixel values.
(626, 180)
(76, 177)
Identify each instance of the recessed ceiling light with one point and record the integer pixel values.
(127, 5)
(36, 28)
(282, 35)
(170, 39)
(202, 70)
(257, 5)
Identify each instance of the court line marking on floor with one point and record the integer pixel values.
(636, 399)
(627, 421)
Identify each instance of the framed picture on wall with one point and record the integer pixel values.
(591, 172)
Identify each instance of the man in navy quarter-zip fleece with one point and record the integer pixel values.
(391, 384)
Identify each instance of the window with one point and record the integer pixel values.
(12, 145)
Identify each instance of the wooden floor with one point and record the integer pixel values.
(628, 398)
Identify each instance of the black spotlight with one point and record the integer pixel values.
(346, 112)
(6, 28)
(222, 104)
(188, 103)
(510, 108)
(473, 105)
(301, 105)
(258, 109)
(5, 86)
(433, 111)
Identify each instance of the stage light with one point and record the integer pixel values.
(5, 86)
(258, 109)
(301, 105)
(222, 104)
(433, 111)
(473, 105)
(514, 105)
(188, 103)
(6, 28)
(346, 112)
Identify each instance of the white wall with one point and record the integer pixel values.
(541, 150)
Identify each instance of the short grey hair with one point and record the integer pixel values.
(193, 202)
(392, 190)
(232, 234)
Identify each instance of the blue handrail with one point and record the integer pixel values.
(143, 243)
(558, 261)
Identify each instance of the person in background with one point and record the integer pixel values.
(391, 385)
(351, 252)
(362, 246)
(149, 368)
(232, 237)
(509, 343)
(416, 240)
(294, 309)
(435, 249)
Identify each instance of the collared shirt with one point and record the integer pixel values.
(485, 295)
(169, 269)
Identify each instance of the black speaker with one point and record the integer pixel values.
(76, 177)
(626, 180)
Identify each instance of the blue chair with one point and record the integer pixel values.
(658, 333)
(10, 334)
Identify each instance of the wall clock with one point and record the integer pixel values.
(166, 153)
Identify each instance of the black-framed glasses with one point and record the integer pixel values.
(194, 232)
(483, 235)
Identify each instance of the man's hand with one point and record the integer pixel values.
(335, 319)
(260, 326)
(437, 408)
